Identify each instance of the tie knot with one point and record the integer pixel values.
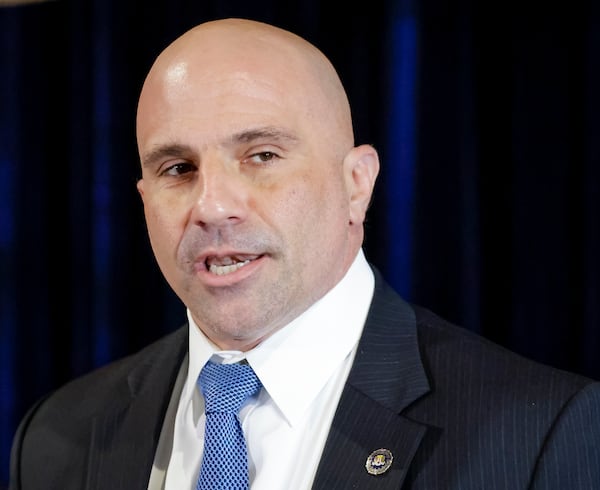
(227, 386)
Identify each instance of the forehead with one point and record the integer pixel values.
(217, 112)
(228, 97)
(219, 82)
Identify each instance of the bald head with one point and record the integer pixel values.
(255, 59)
(253, 192)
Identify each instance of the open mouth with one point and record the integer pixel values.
(221, 266)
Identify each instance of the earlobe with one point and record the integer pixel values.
(361, 167)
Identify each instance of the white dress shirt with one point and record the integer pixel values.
(302, 367)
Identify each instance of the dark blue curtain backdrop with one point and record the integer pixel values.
(487, 121)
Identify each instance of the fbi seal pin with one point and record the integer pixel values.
(379, 461)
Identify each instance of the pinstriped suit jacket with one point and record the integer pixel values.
(457, 412)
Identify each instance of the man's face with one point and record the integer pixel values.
(245, 198)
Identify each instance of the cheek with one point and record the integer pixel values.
(314, 215)
(163, 229)
(302, 201)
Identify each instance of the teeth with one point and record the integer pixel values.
(221, 270)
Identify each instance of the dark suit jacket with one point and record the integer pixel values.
(455, 410)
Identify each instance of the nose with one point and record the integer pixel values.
(220, 197)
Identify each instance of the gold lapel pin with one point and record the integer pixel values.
(379, 461)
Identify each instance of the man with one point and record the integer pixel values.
(255, 195)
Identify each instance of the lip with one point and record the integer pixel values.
(215, 281)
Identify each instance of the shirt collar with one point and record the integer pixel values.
(296, 362)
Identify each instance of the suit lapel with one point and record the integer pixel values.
(387, 376)
(124, 440)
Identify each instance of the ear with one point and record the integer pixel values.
(361, 167)
(140, 187)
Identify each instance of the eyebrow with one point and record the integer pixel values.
(163, 151)
(180, 150)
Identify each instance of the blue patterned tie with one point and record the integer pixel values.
(225, 462)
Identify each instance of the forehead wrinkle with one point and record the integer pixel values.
(267, 132)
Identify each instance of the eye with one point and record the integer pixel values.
(261, 158)
(177, 169)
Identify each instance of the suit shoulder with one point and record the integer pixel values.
(451, 350)
(91, 392)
